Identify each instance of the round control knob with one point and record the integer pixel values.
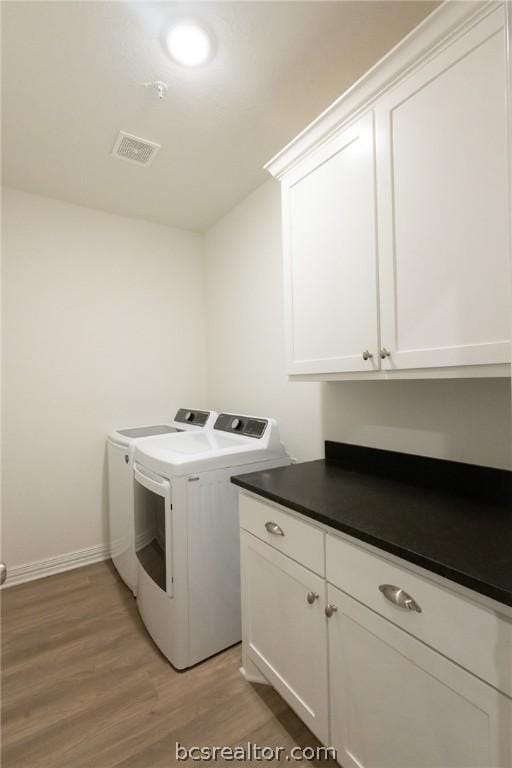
(189, 416)
(236, 424)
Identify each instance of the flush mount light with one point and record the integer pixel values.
(189, 43)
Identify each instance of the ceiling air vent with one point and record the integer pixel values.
(134, 149)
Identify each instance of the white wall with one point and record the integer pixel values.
(462, 420)
(246, 356)
(103, 326)
(103, 321)
(466, 420)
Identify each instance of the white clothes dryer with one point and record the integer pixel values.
(187, 532)
(120, 447)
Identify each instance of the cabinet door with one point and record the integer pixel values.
(443, 215)
(330, 256)
(395, 703)
(283, 633)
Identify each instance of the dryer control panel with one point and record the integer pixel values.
(241, 425)
(188, 416)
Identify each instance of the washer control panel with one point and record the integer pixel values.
(187, 416)
(241, 425)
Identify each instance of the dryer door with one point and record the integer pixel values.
(153, 528)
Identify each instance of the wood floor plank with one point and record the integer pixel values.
(83, 685)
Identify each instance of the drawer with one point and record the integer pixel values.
(473, 636)
(295, 538)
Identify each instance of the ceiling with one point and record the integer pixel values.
(72, 74)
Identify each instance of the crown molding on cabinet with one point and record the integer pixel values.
(436, 32)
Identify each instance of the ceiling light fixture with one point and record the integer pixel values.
(189, 43)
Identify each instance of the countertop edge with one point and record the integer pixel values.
(447, 572)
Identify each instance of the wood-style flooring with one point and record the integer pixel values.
(83, 686)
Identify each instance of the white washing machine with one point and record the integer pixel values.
(187, 532)
(120, 447)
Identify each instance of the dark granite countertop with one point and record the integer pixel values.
(449, 518)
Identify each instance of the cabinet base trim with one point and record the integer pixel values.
(494, 371)
(253, 677)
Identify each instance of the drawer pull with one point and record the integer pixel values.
(274, 528)
(311, 597)
(330, 610)
(399, 597)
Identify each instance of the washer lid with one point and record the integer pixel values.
(158, 429)
(185, 420)
(131, 435)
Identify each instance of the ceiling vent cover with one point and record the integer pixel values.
(134, 149)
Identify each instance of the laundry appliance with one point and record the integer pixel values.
(187, 532)
(120, 447)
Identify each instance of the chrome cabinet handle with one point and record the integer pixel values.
(274, 528)
(385, 353)
(3, 572)
(367, 355)
(311, 597)
(330, 610)
(399, 598)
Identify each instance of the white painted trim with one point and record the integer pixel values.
(425, 41)
(253, 678)
(143, 539)
(493, 371)
(39, 569)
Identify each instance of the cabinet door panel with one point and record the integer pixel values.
(284, 635)
(443, 207)
(330, 256)
(395, 703)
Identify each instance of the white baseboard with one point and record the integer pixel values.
(18, 574)
(142, 539)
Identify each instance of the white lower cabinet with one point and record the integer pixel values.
(284, 629)
(376, 692)
(396, 703)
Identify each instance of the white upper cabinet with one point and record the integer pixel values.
(396, 212)
(330, 256)
(443, 207)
